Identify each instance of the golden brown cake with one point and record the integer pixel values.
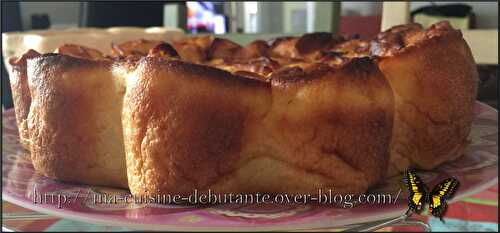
(21, 95)
(434, 78)
(189, 126)
(74, 120)
(288, 116)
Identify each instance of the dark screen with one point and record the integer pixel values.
(109, 14)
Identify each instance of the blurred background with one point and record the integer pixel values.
(245, 21)
(240, 17)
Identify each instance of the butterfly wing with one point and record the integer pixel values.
(417, 189)
(440, 194)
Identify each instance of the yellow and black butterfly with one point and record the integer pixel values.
(419, 194)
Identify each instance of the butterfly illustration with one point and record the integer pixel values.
(419, 194)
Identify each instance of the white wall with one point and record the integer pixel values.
(62, 14)
(361, 8)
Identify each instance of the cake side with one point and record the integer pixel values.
(185, 125)
(192, 127)
(434, 78)
(74, 121)
(335, 122)
(21, 93)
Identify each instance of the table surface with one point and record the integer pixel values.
(474, 213)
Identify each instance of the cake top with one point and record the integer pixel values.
(260, 59)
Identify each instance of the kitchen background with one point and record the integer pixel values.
(252, 17)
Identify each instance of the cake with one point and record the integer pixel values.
(292, 115)
(435, 79)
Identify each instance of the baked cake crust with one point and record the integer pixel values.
(21, 94)
(434, 78)
(74, 120)
(288, 116)
(189, 127)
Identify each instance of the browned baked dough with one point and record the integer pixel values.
(139, 47)
(21, 94)
(194, 127)
(332, 122)
(74, 120)
(434, 78)
(292, 116)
